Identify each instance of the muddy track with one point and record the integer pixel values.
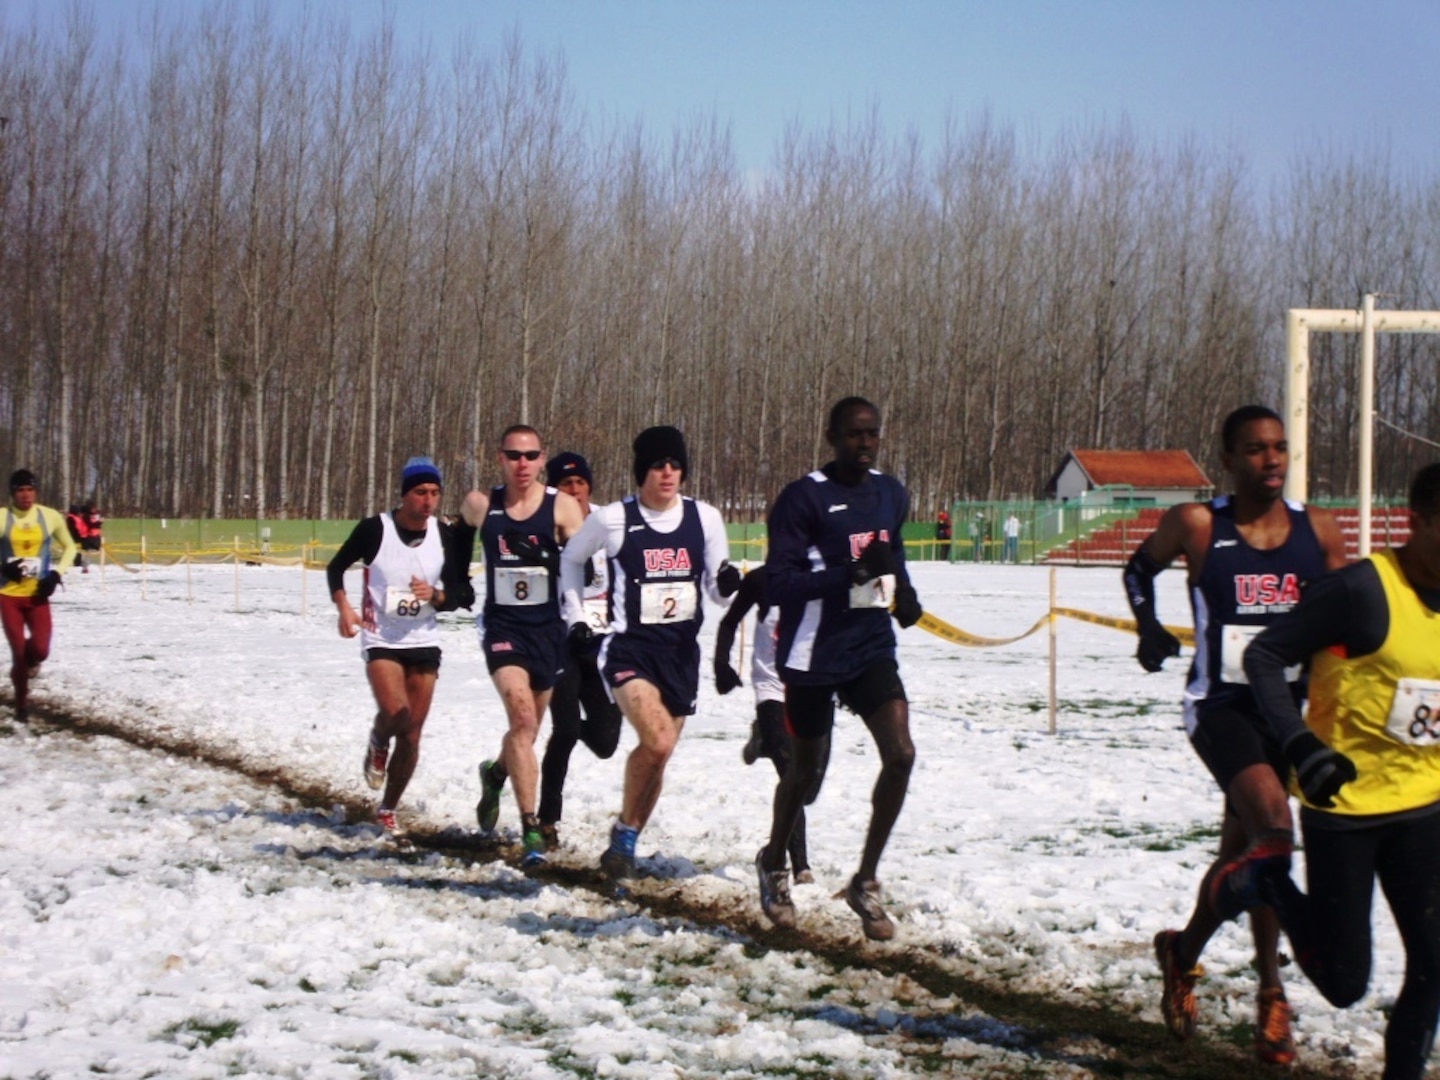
(1083, 1034)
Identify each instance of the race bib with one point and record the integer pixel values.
(877, 593)
(30, 568)
(521, 586)
(597, 615)
(1234, 640)
(403, 604)
(1415, 713)
(662, 602)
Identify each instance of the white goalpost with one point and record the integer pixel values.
(1299, 324)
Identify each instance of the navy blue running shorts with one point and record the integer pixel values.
(540, 650)
(674, 670)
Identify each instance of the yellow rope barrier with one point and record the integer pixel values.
(942, 629)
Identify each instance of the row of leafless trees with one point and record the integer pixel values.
(248, 272)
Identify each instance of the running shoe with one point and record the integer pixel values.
(1177, 999)
(1273, 1042)
(1235, 886)
(487, 810)
(804, 877)
(775, 893)
(618, 862)
(532, 838)
(385, 818)
(550, 830)
(750, 752)
(864, 899)
(376, 758)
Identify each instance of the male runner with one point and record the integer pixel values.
(580, 709)
(1248, 555)
(836, 565)
(404, 556)
(663, 547)
(522, 522)
(35, 549)
(1368, 768)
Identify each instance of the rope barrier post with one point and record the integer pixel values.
(304, 578)
(142, 566)
(1052, 650)
(189, 589)
(237, 573)
(102, 568)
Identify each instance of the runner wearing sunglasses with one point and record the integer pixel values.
(522, 524)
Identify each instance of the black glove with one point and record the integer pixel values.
(582, 637)
(907, 606)
(48, 584)
(726, 677)
(1156, 646)
(11, 570)
(459, 594)
(1321, 771)
(727, 581)
(543, 552)
(875, 561)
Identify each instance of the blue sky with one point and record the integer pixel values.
(1273, 78)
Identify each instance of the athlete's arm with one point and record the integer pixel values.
(717, 550)
(594, 534)
(790, 530)
(363, 544)
(474, 508)
(907, 609)
(1345, 609)
(459, 542)
(751, 592)
(1162, 547)
(568, 516)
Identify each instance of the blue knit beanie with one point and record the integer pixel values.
(419, 470)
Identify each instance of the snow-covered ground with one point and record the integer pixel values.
(162, 916)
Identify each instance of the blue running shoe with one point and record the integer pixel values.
(618, 862)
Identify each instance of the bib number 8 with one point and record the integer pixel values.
(1415, 713)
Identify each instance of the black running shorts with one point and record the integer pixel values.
(1230, 739)
(423, 661)
(810, 710)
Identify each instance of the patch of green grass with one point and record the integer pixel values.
(625, 997)
(306, 986)
(208, 1032)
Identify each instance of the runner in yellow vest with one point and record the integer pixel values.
(35, 549)
(1367, 766)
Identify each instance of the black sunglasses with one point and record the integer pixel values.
(672, 462)
(516, 455)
